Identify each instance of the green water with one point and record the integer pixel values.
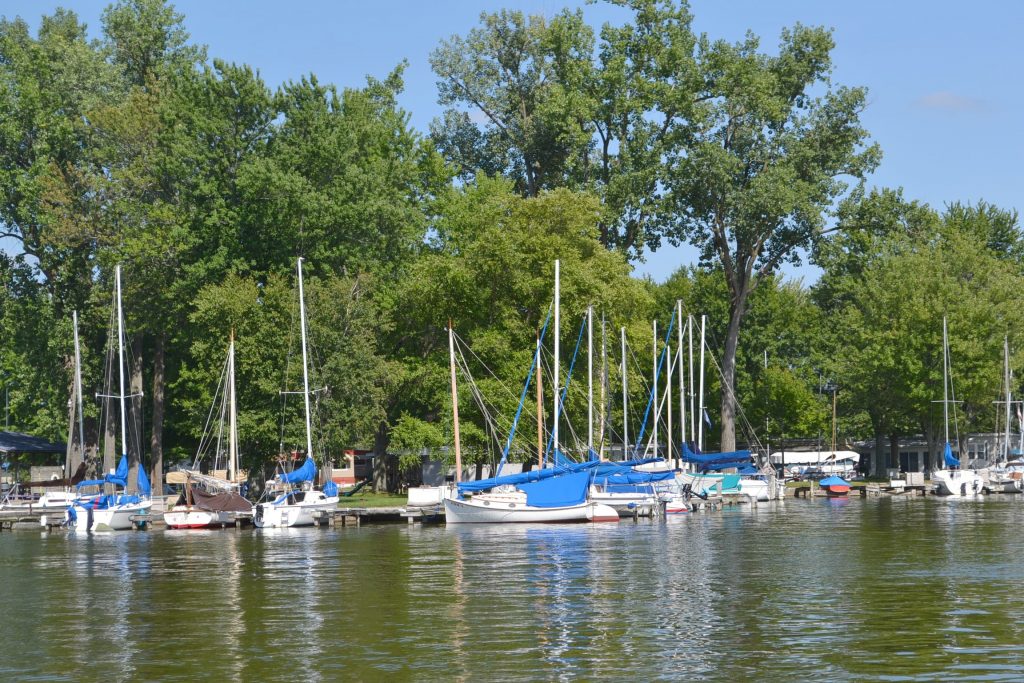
(879, 589)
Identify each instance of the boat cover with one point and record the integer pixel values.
(305, 473)
(142, 481)
(628, 476)
(524, 477)
(330, 489)
(706, 459)
(220, 502)
(120, 476)
(833, 481)
(565, 489)
(948, 456)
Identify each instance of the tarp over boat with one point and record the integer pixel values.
(833, 481)
(305, 473)
(716, 461)
(560, 491)
(524, 477)
(220, 502)
(947, 455)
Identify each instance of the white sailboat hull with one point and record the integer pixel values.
(303, 513)
(116, 518)
(494, 512)
(185, 517)
(958, 483)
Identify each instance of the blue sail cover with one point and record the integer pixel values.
(524, 477)
(566, 489)
(305, 473)
(716, 461)
(330, 489)
(948, 456)
(120, 476)
(628, 476)
(143, 482)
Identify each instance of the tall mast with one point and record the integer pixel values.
(654, 375)
(945, 378)
(604, 381)
(305, 367)
(590, 380)
(1006, 359)
(78, 390)
(625, 401)
(693, 414)
(233, 415)
(700, 418)
(558, 399)
(668, 403)
(455, 404)
(540, 408)
(682, 375)
(120, 365)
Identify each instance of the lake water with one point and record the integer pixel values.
(878, 589)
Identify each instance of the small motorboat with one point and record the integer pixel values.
(835, 486)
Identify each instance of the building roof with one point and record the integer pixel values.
(16, 442)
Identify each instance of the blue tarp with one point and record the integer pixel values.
(330, 489)
(305, 473)
(120, 476)
(566, 489)
(948, 456)
(833, 481)
(720, 465)
(525, 477)
(705, 459)
(143, 482)
(629, 476)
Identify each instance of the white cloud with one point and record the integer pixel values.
(945, 100)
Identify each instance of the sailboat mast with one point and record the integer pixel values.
(540, 408)
(604, 382)
(78, 389)
(590, 380)
(120, 365)
(945, 379)
(558, 402)
(625, 401)
(1006, 362)
(700, 418)
(455, 404)
(689, 332)
(654, 376)
(682, 375)
(668, 403)
(233, 433)
(305, 366)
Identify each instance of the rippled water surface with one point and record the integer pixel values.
(880, 589)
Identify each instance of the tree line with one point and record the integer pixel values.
(595, 147)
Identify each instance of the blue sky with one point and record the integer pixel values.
(944, 78)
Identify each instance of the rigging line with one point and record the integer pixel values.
(745, 423)
(203, 442)
(657, 372)
(487, 409)
(568, 380)
(287, 374)
(522, 397)
(490, 426)
(464, 345)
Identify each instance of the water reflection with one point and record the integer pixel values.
(877, 589)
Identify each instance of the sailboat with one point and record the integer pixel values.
(298, 503)
(955, 481)
(212, 501)
(113, 511)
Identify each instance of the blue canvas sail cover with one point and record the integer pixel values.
(120, 476)
(715, 458)
(833, 481)
(143, 482)
(305, 473)
(330, 489)
(565, 489)
(948, 456)
(525, 477)
(720, 465)
(628, 476)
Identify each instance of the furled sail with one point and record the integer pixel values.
(305, 473)
(951, 461)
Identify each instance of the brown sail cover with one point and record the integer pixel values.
(59, 483)
(219, 502)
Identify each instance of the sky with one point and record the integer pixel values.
(944, 78)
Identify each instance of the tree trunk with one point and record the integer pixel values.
(894, 450)
(380, 456)
(110, 433)
(74, 450)
(156, 440)
(135, 425)
(737, 309)
(878, 454)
